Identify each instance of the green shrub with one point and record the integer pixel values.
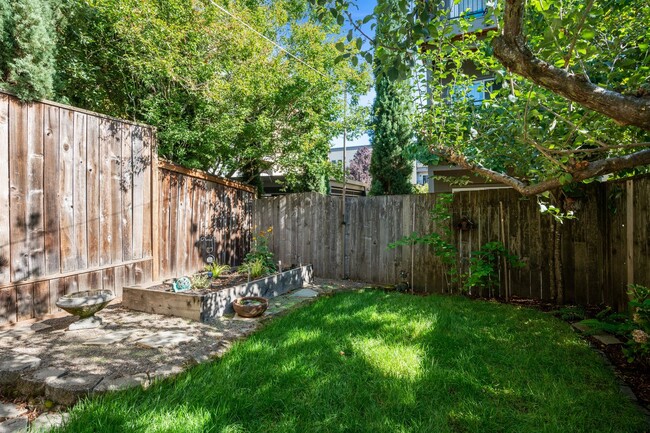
(259, 261)
(255, 267)
(200, 281)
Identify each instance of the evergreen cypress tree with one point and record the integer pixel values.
(27, 42)
(391, 130)
(391, 133)
(6, 45)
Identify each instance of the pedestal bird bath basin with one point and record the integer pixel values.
(85, 305)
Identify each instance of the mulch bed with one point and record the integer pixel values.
(220, 283)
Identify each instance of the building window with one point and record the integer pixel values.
(477, 92)
(467, 7)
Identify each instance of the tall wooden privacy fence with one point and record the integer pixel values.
(201, 216)
(84, 205)
(603, 250)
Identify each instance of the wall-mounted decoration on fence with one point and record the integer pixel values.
(207, 246)
(464, 224)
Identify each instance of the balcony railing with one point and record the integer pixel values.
(468, 7)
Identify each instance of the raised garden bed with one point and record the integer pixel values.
(206, 305)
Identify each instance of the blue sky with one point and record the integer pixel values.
(365, 7)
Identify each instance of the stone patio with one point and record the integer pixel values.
(44, 367)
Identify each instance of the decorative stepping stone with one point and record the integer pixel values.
(581, 327)
(10, 410)
(40, 327)
(14, 425)
(48, 421)
(109, 338)
(18, 332)
(165, 339)
(121, 383)
(12, 367)
(32, 385)
(305, 293)
(67, 389)
(607, 339)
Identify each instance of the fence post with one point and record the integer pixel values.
(155, 209)
(629, 230)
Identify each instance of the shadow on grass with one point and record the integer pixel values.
(378, 362)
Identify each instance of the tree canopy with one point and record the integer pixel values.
(222, 97)
(570, 100)
(360, 165)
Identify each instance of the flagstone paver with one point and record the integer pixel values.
(33, 384)
(67, 389)
(109, 338)
(14, 425)
(166, 339)
(47, 361)
(305, 293)
(14, 364)
(10, 410)
(47, 421)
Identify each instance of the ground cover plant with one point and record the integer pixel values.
(385, 362)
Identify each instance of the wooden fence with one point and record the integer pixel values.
(200, 216)
(84, 205)
(603, 250)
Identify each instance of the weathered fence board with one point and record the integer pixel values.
(193, 206)
(608, 240)
(66, 200)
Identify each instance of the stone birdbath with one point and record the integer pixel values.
(85, 305)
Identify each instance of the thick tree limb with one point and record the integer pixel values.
(511, 50)
(593, 169)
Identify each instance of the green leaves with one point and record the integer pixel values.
(222, 98)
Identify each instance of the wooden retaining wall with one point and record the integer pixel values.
(84, 205)
(603, 250)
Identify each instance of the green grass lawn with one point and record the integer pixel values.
(378, 362)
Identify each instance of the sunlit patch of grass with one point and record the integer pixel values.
(384, 362)
(400, 361)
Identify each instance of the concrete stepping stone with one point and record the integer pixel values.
(165, 339)
(33, 384)
(68, 389)
(40, 327)
(305, 293)
(120, 383)
(10, 410)
(109, 338)
(18, 332)
(48, 421)
(581, 327)
(607, 339)
(14, 425)
(12, 367)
